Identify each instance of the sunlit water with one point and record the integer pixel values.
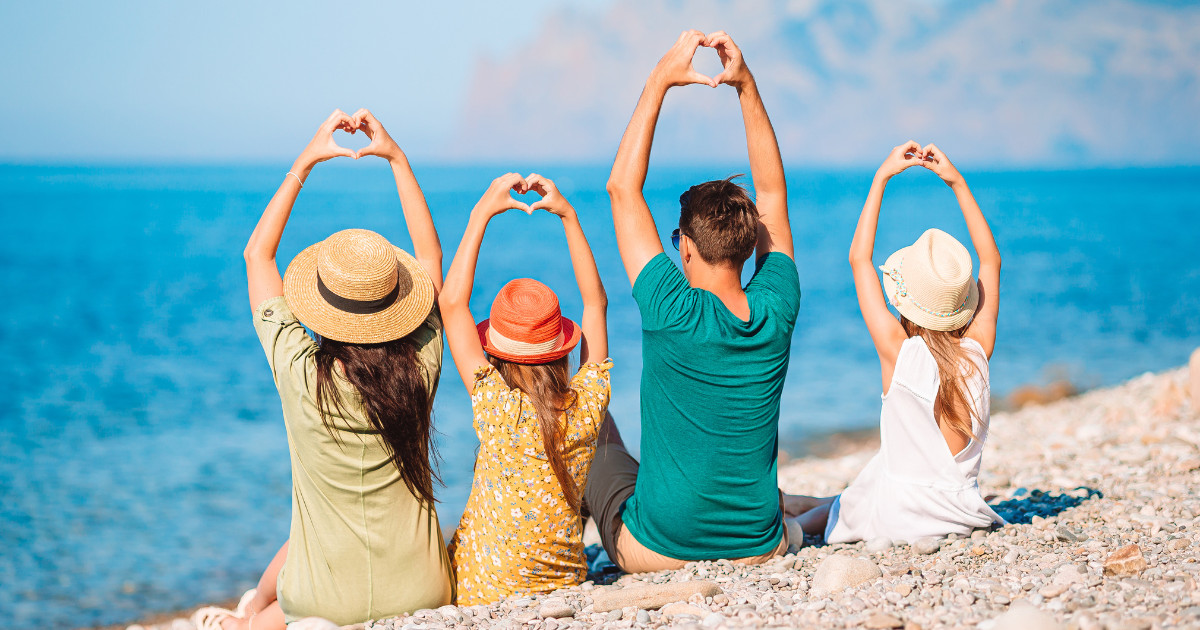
(144, 464)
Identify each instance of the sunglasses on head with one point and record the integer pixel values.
(684, 199)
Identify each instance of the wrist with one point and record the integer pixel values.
(656, 84)
(303, 166)
(748, 87)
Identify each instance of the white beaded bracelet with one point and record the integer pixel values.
(297, 178)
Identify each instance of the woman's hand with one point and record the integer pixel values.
(552, 201)
(381, 142)
(902, 157)
(936, 161)
(322, 147)
(497, 199)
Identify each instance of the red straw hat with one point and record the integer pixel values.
(526, 325)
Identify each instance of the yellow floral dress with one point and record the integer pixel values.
(518, 534)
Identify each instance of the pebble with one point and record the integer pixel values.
(840, 572)
(651, 596)
(643, 616)
(556, 610)
(713, 620)
(675, 609)
(1024, 616)
(926, 546)
(879, 544)
(880, 621)
(1127, 560)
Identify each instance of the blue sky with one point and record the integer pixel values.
(1002, 82)
(242, 80)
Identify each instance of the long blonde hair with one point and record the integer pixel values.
(953, 404)
(548, 386)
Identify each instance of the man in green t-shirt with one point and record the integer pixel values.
(714, 354)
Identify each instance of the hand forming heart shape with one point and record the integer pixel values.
(324, 147)
(675, 68)
(499, 199)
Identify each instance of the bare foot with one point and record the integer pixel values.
(796, 504)
(234, 623)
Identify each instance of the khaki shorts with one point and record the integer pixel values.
(611, 482)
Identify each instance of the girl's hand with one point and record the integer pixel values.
(902, 157)
(936, 161)
(498, 200)
(322, 147)
(381, 143)
(552, 201)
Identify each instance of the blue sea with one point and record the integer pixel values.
(143, 462)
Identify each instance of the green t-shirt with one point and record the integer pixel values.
(362, 545)
(707, 486)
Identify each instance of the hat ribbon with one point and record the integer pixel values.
(357, 307)
(522, 348)
(902, 291)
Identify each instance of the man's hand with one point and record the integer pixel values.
(381, 142)
(734, 71)
(322, 147)
(901, 158)
(552, 201)
(675, 68)
(933, 159)
(497, 199)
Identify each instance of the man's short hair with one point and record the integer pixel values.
(721, 219)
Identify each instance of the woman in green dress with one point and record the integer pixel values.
(365, 541)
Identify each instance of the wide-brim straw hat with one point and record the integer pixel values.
(527, 326)
(930, 282)
(356, 287)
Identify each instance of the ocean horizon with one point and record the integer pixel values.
(146, 466)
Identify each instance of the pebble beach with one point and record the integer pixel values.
(1102, 495)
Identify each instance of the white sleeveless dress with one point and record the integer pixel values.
(914, 487)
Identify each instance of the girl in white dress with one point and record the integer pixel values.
(934, 363)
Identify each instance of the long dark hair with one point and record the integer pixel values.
(548, 386)
(391, 387)
(953, 404)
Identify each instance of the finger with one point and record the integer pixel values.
(540, 184)
(696, 77)
(930, 151)
(518, 205)
(910, 147)
(510, 181)
(718, 38)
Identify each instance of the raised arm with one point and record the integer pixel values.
(427, 249)
(637, 236)
(766, 165)
(262, 274)
(885, 330)
(983, 326)
(594, 347)
(461, 331)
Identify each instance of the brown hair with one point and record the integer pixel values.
(721, 219)
(391, 386)
(548, 386)
(953, 404)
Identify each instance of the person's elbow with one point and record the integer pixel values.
(451, 299)
(618, 187)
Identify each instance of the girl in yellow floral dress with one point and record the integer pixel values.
(537, 425)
